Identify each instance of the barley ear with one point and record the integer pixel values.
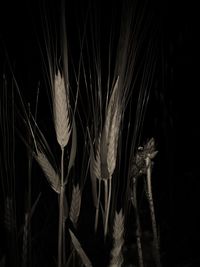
(118, 241)
(80, 251)
(61, 111)
(49, 172)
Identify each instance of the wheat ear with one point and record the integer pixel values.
(109, 144)
(49, 172)
(63, 132)
(61, 111)
(118, 241)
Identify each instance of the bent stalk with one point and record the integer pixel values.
(151, 206)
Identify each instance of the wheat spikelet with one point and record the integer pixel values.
(96, 161)
(111, 106)
(50, 173)
(61, 111)
(113, 141)
(118, 232)
(75, 205)
(79, 250)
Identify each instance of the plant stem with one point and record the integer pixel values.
(30, 158)
(138, 226)
(151, 206)
(107, 206)
(60, 226)
(97, 208)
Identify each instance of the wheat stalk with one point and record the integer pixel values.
(95, 173)
(25, 241)
(63, 132)
(118, 232)
(152, 211)
(138, 225)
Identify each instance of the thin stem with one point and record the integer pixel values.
(107, 210)
(151, 206)
(60, 226)
(30, 158)
(138, 226)
(64, 236)
(97, 208)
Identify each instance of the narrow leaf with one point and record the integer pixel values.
(79, 250)
(73, 146)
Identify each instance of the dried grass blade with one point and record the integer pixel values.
(73, 146)
(94, 172)
(79, 250)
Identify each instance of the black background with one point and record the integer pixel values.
(175, 108)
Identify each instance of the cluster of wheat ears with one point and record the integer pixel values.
(111, 120)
